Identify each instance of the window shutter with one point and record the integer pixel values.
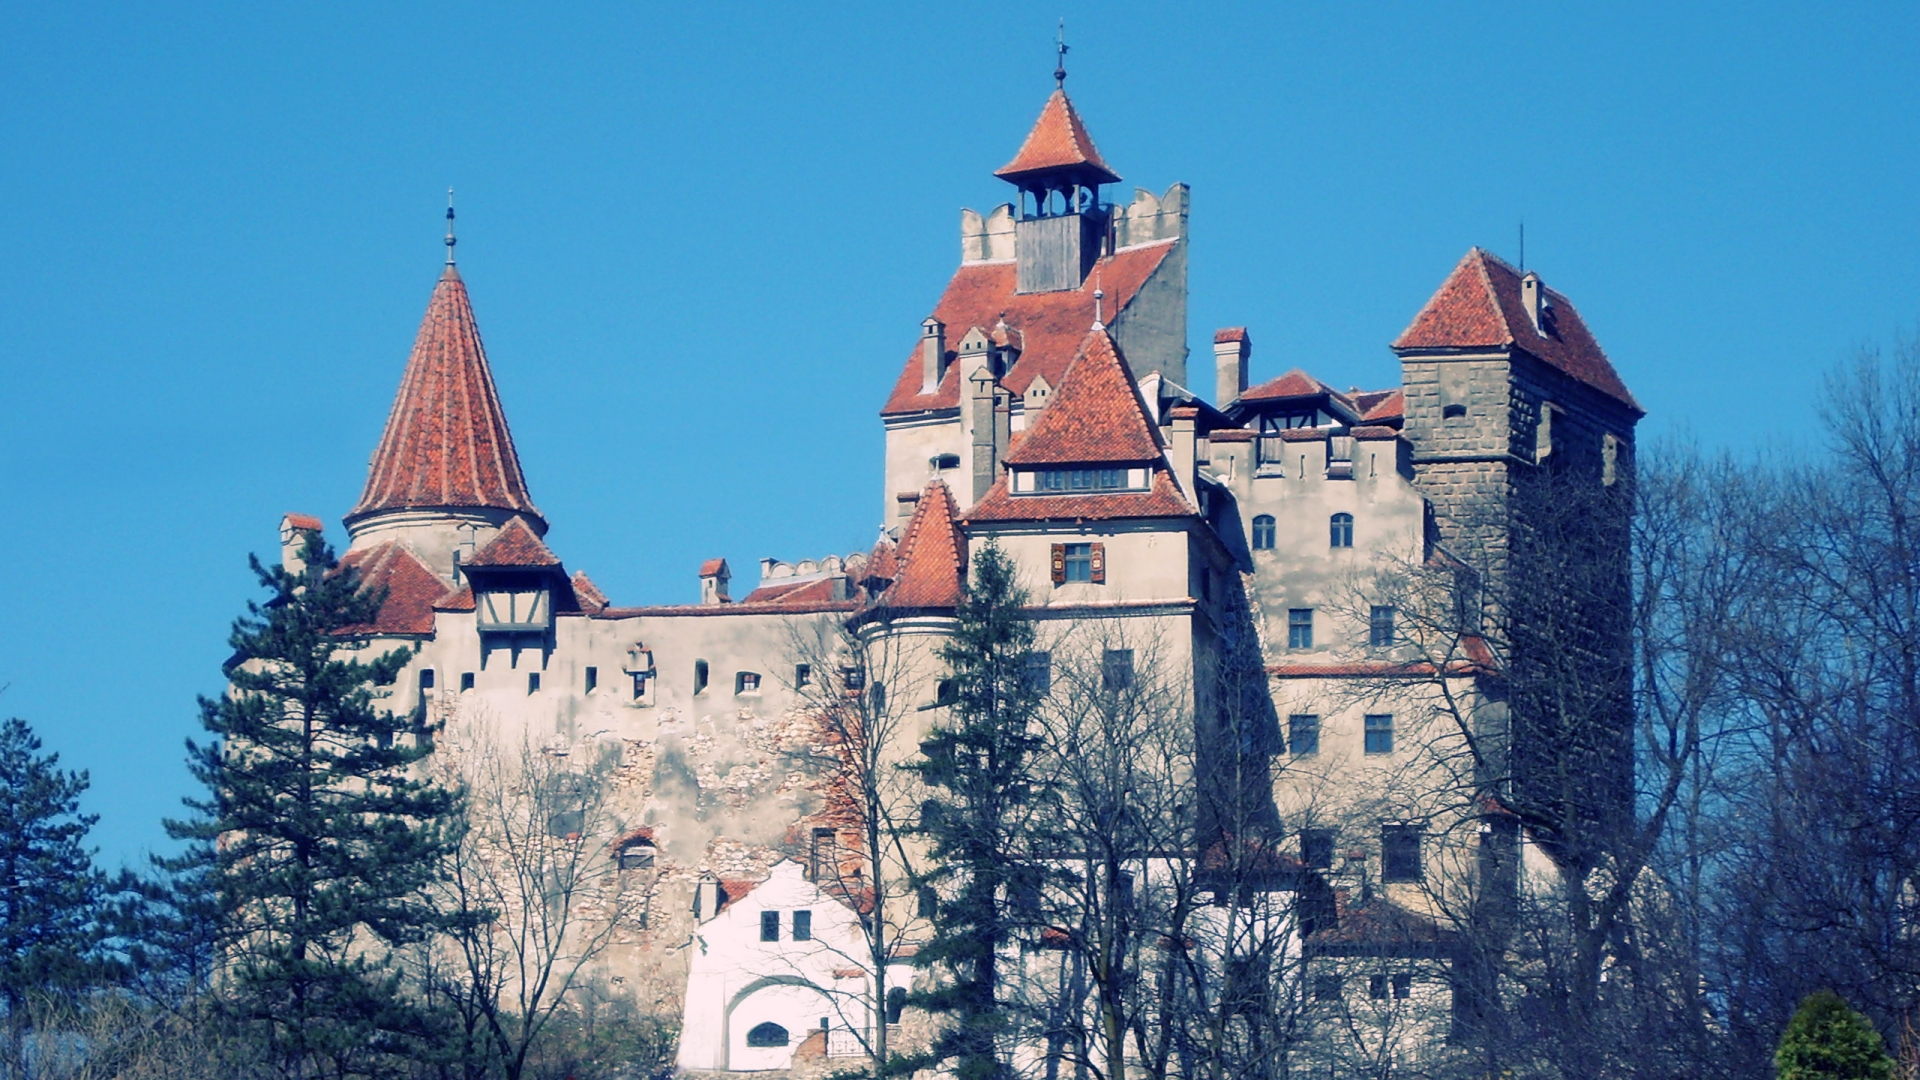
(1059, 564)
(1099, 564)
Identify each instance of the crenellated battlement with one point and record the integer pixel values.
(1149, 217)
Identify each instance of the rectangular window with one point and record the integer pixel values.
(1379, 733)
(769, 926)
(821, 856)
(1380, 627)
(746, 682)
(1079, 562)
(1116, 669)
(802, 675)
(426, 678)
(699, 676)
(1080, 480)
(1300, 628)
(593, 679)
(928, 902)
(1400, 853)
(1037, 672)
(803, 926)
(1377, 987)
(533, 682)
(466, 680)
(1402, 987)
(1326, 988)
(1303, 734)
(1316, 848)
(639, 685)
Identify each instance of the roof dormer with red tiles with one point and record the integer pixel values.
(1035, 273)
(445, 476)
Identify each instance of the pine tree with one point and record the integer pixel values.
(979, 763)
(49, 887)
(1827, 1040)
(320, 838)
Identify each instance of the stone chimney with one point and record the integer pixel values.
(1232, 348)
(1533, 300)
(933, 354)
(978, 388)
(714, 576)
(1181, 451)
(294, 530)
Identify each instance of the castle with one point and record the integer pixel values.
(1046, 405)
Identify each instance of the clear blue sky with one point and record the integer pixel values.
(700, 238)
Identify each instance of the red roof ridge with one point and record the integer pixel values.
(1095, 416)
(1058, 141)
(515, 546)
(446, 442)
(932, 556)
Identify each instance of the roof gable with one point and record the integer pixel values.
(446, 442)
(931, 559)
(1058, 142)
(1479, 306)
(516, 546)
(1094, 417)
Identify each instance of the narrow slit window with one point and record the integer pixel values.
(533, 682)
(699, 676)
(593, 679)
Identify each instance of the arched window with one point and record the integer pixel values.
(767, 1034)
(1341, 530)
(1263, 533)
(636, 854)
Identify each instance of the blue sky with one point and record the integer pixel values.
(700, 239)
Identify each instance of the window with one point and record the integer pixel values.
(1379, 734)
(699, 676)
(593, 679)
(767, 1034)
(1377, 987)
(929, 902)
(1263, 533)
(803, 926)
(1037, 672)
(896, 1003)
(1340, 530)
(426, 678)
(769, 926)
(1079, 562)
(639, 685)
(1316, 848)
(1303, 734)
(878, 697)
(533, 682)
(853, 678)
(1300, 628)
(1402, 987)
(746, 682)
(946, 461)
(1326, 988)
(802, 675)
(466, 680)
(636, 855)
(1116, 669)
(820, 857)
(1400, 853)
(1380, 627)
(946, 692)
(1074, 481)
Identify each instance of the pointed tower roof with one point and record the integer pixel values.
(1095, 417)
(1480, 306)
(932, 556)
(1058, 143)
(446, 442)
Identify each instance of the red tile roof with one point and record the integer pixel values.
(446, 442)
(1231, 435)
(1381, 406)
(932, 556)
(1479, 307)
(412, 588)
(1051, 324)
(304, 523)
(1231, 333)
(1378, 924)
(817, 591)
(884, 563)
(587, 593)
(1161, 500)
(515, 546)
(712, 567)
(1095, 417)
(1294, 384)
(1058, 142)
(459, 600)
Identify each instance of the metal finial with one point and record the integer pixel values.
(450, 240)
(1060, 49)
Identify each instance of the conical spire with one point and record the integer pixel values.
(1058, 144)
(446, 444)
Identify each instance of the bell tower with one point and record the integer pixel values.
(1061, 222)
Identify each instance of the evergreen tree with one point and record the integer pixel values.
(320, 838)
(49, 888)
(978, 761)
(1827, 1040)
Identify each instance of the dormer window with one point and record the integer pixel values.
(1078, 481)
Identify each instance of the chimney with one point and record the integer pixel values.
(933, 354)
(1232, 348)
(714, 576)
(294, 530)
(1181, 451)
(1533, 299)
(977, 391)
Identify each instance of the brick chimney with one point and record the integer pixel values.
(1232, 348)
